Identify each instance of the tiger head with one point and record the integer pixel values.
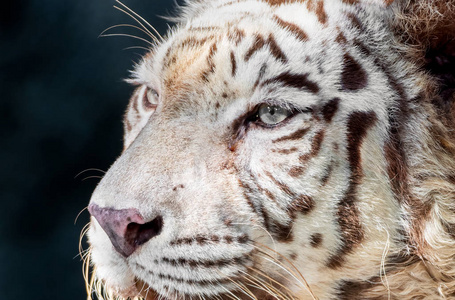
(286, 149)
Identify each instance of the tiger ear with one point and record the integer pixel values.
(426, 29)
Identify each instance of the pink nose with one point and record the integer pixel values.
(126, 228)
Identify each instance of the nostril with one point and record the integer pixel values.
(126, 227)
(138, 234)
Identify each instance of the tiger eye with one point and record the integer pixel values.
(150, 99)
(272, 115)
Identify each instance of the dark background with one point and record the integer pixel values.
(61, 103)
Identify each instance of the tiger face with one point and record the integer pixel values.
(278, 149)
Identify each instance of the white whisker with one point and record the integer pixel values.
(264, 229)
(137, 21)
(293, 266)
(137, 15)
(292, 275)
(89, 177)
(91, 169)
(383, 272)
(128, 25)
(136, 47)
(239, 286)
(75, 220)
(155, 39)
(127, 35)
(271, 279)
(263, 285)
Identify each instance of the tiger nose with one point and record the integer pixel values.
(126, 228)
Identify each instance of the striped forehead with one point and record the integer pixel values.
(232, 55)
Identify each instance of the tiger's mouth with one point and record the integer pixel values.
(145, 291)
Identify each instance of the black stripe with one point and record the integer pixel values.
(234, 64)
(298, 81)
(353, 75)
(351, 228)
(330, 109)
(296, 135)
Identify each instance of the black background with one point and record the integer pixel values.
(61, 103)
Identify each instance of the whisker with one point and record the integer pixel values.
(89, 177)
(290, 273)
(83, 254)
(264, 229)
(107, 294)
(86, 274)
(242, 288)
(154, 38)
(264, 286)
(127, 35)
(276, 259)
(128, 25)
(280, 263)
(382, 271)
(83, 232)
(247, 291)
(143, 288)
(137, 15)
(136, 47)
(87, 254)
(294, 267)
(282, 267)
(251, 279)
(257, 287)
(230, 294)
(270, 278)
(75, 220)
(91, 169)
(147, 290)
(101, 291)
(280, 274)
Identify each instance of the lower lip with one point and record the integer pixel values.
(146, 292)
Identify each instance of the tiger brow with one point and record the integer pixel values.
(293, 80)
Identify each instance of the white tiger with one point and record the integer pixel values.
(286, 150)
